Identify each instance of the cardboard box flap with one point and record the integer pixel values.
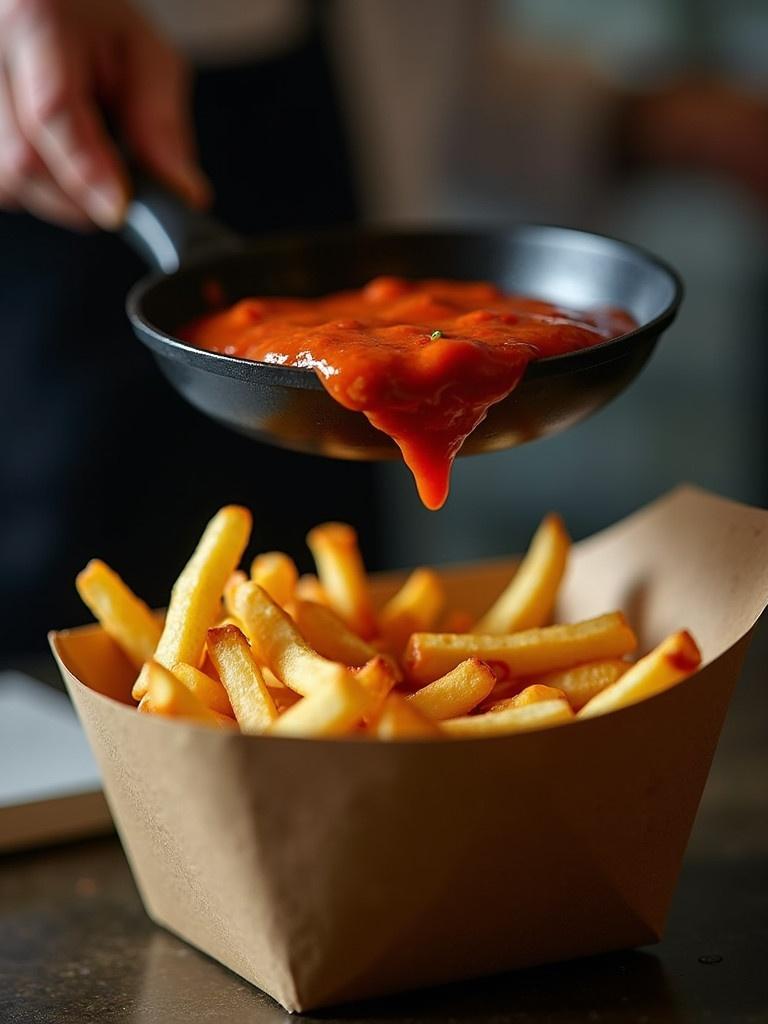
(689, 560)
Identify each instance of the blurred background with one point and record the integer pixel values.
(645, 119)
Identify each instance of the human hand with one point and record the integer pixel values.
(63, 65)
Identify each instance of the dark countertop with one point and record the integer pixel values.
(76, 946)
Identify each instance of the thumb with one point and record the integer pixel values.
(156, 119)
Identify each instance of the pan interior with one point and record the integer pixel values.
(572, 268)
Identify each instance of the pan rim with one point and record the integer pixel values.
(164, 343)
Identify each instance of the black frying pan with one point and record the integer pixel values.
(290, 408)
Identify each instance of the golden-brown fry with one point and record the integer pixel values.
(196, 595)
(285, 698)
(519, 719)
(241, 677)
(334, 708)
(415, 608)
(342, 575)
(530, 596)
(456, 693)
(377, 677)
(281, 694)
(208, 691)
(122, 615)
(456, 621)
(207, 665)
(234, 581)
(309, 588)
(280, 646)
(228, 620)
(166, 695)
(669, 663)
(330, 636)
(580, 684)
(531, 652)
(276, 572)
(399, 720)
(530, 695)
(271, 679)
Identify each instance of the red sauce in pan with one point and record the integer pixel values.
(423, 360)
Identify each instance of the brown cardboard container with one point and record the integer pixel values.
(324, 871)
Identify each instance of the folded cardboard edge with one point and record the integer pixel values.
(73, 681)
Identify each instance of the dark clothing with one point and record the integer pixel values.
(99, 457)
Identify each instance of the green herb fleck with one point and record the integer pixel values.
(435, 335)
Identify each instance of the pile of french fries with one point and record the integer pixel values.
(271, 652)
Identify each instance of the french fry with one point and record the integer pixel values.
(506, 687)
(234, 581)
(400, 720)
(281, 694)
(540, 715)
(669, 663)
(377, 677)
(530, 695)
(329, 635)
(309, 588)
(530, 597)
(531, 652)
(304, 656)
(241, 677)
(415, 608)
(229, 620)
(580, 684)
(280, 646)
(284, 698)
(342, 574)
(168, 696)
(196, 595)
(130, 623)
(334, 708)
(456, 621)
(276, 573)
(456, 693)
(208, 691)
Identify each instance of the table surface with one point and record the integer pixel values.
(76, 946)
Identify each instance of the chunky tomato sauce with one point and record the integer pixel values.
(423, 360)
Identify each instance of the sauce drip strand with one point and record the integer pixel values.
(423, 360)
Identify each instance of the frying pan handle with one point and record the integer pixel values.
(166, 232)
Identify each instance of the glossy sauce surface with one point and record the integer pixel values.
(423, 360)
